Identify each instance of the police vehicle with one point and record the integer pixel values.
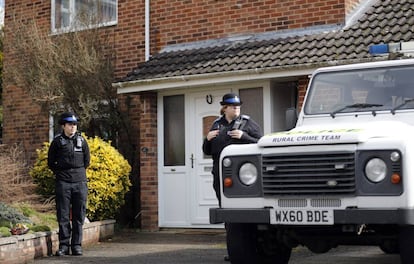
(344, 175)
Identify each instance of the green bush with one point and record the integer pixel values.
(108, 178)
(39, 228)
(4, 231)
(39, 218)
(11, 216)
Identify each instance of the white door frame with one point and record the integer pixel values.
(182, 177)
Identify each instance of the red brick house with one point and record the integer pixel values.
(175, 60)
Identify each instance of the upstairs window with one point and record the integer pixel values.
(72, 15)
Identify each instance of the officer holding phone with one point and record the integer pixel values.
(230, 128)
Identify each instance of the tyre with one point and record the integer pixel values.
(246, 245)
(390, 246)
(406, 244)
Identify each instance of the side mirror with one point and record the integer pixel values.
(291, 117)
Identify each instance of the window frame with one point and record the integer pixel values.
(174, 156)
(71, 12)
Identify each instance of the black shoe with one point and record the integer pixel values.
(226, 258)
(62, 252)
(77, 251)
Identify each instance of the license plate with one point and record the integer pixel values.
(302, 217)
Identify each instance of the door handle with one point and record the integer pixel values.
(192, 160)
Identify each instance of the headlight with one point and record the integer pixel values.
(376, 170)
(248, 174)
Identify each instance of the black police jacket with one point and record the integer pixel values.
(251, 134)
(68, 158)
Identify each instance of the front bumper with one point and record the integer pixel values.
(347, 216)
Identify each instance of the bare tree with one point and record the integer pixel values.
(72, 70)
(15, 183)
(68, 71)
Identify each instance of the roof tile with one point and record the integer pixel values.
(386, 21)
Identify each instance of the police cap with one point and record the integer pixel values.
(231, 99)
(68, 117)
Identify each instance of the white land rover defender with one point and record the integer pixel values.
(344, 175)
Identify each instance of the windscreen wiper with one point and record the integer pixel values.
(354, 106)
(401, 105)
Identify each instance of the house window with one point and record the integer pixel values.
(70, 15)
(174, 137)
(252, 99)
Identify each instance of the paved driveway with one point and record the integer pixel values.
(200, 247)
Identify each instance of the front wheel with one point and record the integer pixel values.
(246, 245)
(406, 244)
(390, 246)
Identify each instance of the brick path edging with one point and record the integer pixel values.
(24, 248)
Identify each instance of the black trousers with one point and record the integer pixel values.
(216, 187)
(71, 196)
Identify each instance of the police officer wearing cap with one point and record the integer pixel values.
(68, 158)
(230, 128)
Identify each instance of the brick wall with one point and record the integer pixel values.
(24, 122)
(129, 144)
(302, 86)
(139, 141)
(20, 249)
(177, 21)
(129, 36)
(148, 168)
(172, 22)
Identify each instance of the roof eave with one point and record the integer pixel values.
(186, 81)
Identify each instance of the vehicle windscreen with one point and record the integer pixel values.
(378, 89)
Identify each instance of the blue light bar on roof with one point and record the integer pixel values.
(378, 49)
(398, 47)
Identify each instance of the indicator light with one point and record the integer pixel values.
(227, 182)
(395, 178)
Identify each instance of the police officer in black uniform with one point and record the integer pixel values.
(230, 128)
(68, 158)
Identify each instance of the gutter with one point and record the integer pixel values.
(187, 81)
(218, 78)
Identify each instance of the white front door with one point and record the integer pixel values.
(204, 108)
(184, 176)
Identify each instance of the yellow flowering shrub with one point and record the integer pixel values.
(108, 178)
(42, 175)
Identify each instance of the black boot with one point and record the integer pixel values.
(77, 251)
(62, 251)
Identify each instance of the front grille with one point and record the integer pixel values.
(309, 174)
(317, 203)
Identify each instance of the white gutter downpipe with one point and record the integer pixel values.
(147, 30)
(51, 125)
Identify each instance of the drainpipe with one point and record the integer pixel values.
(147, 30)
(51, 125)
